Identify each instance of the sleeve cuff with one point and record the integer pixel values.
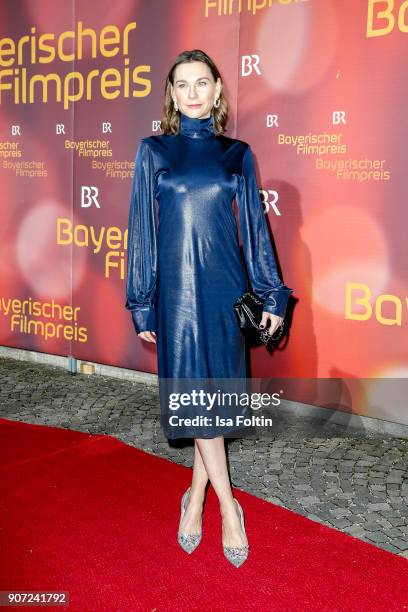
(144, 319)
(277, 301)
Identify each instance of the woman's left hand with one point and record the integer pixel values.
(274, 319)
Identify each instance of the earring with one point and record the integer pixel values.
(175, 105)
(217, 103)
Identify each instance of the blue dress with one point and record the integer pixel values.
(184, 266)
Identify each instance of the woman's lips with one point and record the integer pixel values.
(194, 105)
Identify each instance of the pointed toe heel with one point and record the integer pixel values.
(187, 541)
(239, 554)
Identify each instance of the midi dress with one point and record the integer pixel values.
(185, 270)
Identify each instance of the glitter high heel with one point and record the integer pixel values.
(237, 555)
(187, 541)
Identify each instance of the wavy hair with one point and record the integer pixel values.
(170, 123)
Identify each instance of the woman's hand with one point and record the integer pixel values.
(149, 336)
(275, 320)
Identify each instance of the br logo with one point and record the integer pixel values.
(89, 195)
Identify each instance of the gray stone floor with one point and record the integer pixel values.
(349, 479)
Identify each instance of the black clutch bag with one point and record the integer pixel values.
(248, 309)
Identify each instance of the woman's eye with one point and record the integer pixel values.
(181, 85)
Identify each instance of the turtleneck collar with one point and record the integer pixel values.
(195, 127)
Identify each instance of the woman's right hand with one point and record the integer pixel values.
(149, 336)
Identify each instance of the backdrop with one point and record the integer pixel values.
(317, 87)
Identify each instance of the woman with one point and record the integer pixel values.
(185, 271)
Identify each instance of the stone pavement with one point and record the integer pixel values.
(352, 480)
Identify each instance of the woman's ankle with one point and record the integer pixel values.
(196, 497)
(228, 506)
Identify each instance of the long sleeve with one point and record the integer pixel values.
(259, 258)
(142, 243)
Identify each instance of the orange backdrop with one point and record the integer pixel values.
(317, 87)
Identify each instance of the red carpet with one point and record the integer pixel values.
(92, 516)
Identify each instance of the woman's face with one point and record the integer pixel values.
(194, 89)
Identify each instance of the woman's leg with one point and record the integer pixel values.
(215, 461)
(193, 516)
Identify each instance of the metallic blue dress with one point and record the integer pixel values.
(184, 267)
